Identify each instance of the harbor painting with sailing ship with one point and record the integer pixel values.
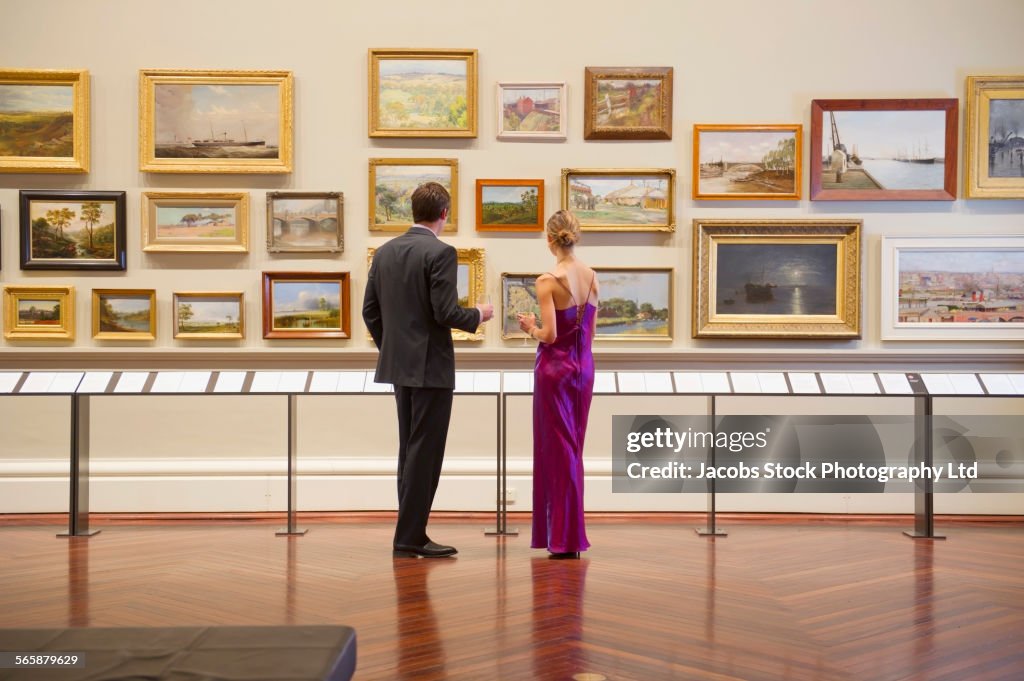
(1006, 138)
(216, 121)
(776, 279)
(883, 150)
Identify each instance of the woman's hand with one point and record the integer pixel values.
(527, 322)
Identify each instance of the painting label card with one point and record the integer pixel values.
(864, 384)
(895, 384)
(230, 382)
(631, 382)
(998, 384)
(463, 381)
(966, 384)
(195, 381)
(353, 381)
(293, 382)
(131, 382)
(745, 383)
(518, 382)
(1018, 382)
(773, 383)
(373, 387)
(95, 382)
(66, 383)
(38, 382)
(265, 382)
(487, 382)
(658, 382)
(688, 382)
(604, 382)
(715, 382)
(324, 382)
(804, 383)
(836, 384)
(8, 380)
(167, 382)
(938, 384)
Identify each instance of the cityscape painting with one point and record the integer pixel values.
(995, 137)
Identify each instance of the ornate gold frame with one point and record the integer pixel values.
(598, 336)
(78, 162)
(202, 335)
(670, 173)
(593, 131)
(453, 214)
(237, 200)
(148, 162)
(474, 257)
(980, 92)
(843, 233)
(373, 62)
(65, 330)
(797, 130)
(97, 293)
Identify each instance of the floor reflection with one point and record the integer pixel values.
(78, 581)
(420, 650)
(558, 589)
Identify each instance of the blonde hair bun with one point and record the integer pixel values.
(564, 229)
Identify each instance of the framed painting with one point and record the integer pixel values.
(195, 222)
(776, 279)
(509, 205)
(995, 137)
(306, 305)
(469, 282)
(123, 314)
(636, 303)
(305, 222)
(39, 312)
(392, 182)
(532, 111)
(747, 162)
(518, 296)
(44, 121)
(621, 200)
(953, 288)
(209, 315)
(199, 121)
(422, 93)
(628, 103)
(72, 230)
(883, 149)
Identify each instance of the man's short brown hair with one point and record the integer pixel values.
(428, 202)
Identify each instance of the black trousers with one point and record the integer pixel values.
(423, 416)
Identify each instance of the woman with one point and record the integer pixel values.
(563, 387)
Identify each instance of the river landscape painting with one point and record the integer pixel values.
(746, 162)
(635, 304)
(123, 314)
(306, 305)
(72, 230)
(214, 316)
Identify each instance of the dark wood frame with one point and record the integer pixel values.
(339, 200)
(344, 280)
(535, 227)
(798, 132)
(947, 193)
(118, 263)
(592, 131)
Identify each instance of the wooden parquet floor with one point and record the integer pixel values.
(650, 601)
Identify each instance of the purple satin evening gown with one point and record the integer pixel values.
(562, 391)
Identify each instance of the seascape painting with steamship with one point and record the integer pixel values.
(216, 121)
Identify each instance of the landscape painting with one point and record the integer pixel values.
(953, 288)
(510, 205)
(531, 111)
(214, 316)
(469, 284)
(215, 121)
(1006, 138)
(304, 222)
(195, 221)
(883, 149)
(44, 121)
(776, 278)
(305, 305)
(423, 93)
(72, 230)
(995, 137)
(123, 314)
(518, 296)
(746, 162)
(628, 103)
(392, 182)
(635, 304)
(627, 200)
(39, 312)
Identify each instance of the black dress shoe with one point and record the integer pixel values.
(428, 550)
(567, 555)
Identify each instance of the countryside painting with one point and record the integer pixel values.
(195, 222)
(619, 201)
(775, 279)
(1006, 138)
(462, 284)
(422, 93)
(208, 315)
(393, 185)
(72, 230)
(304, 223)
(230, 121)
(42, 312)
(518, 296)
(634, 305)
(628, 103)
(37, 120)
(531, 111)
(306, 305)
(508, 204)
(739, 164)
(124, 314)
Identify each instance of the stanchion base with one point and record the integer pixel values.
(285, 532)
(705, 532)
(918, 535)
(495, 532)
(87, 533)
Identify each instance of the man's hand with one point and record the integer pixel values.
(486, 311)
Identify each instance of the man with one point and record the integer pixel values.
(838, 161)
(410, 307)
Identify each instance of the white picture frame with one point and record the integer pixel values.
(528, 88)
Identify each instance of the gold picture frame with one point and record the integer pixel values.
(215, 323)
(392, 119)
(776, 175)
(47, 127)
(54, 321)
(627, 103)
(649, 293)
(175, 222)
(386, 200)
(473, 259)
(808, 284)
(988, 168)
(172, 126)
(609, 200)
(110, 323)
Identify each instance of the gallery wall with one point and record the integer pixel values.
(738, 62)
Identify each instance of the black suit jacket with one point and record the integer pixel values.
(411, 306)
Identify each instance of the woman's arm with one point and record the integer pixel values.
(546, 299)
